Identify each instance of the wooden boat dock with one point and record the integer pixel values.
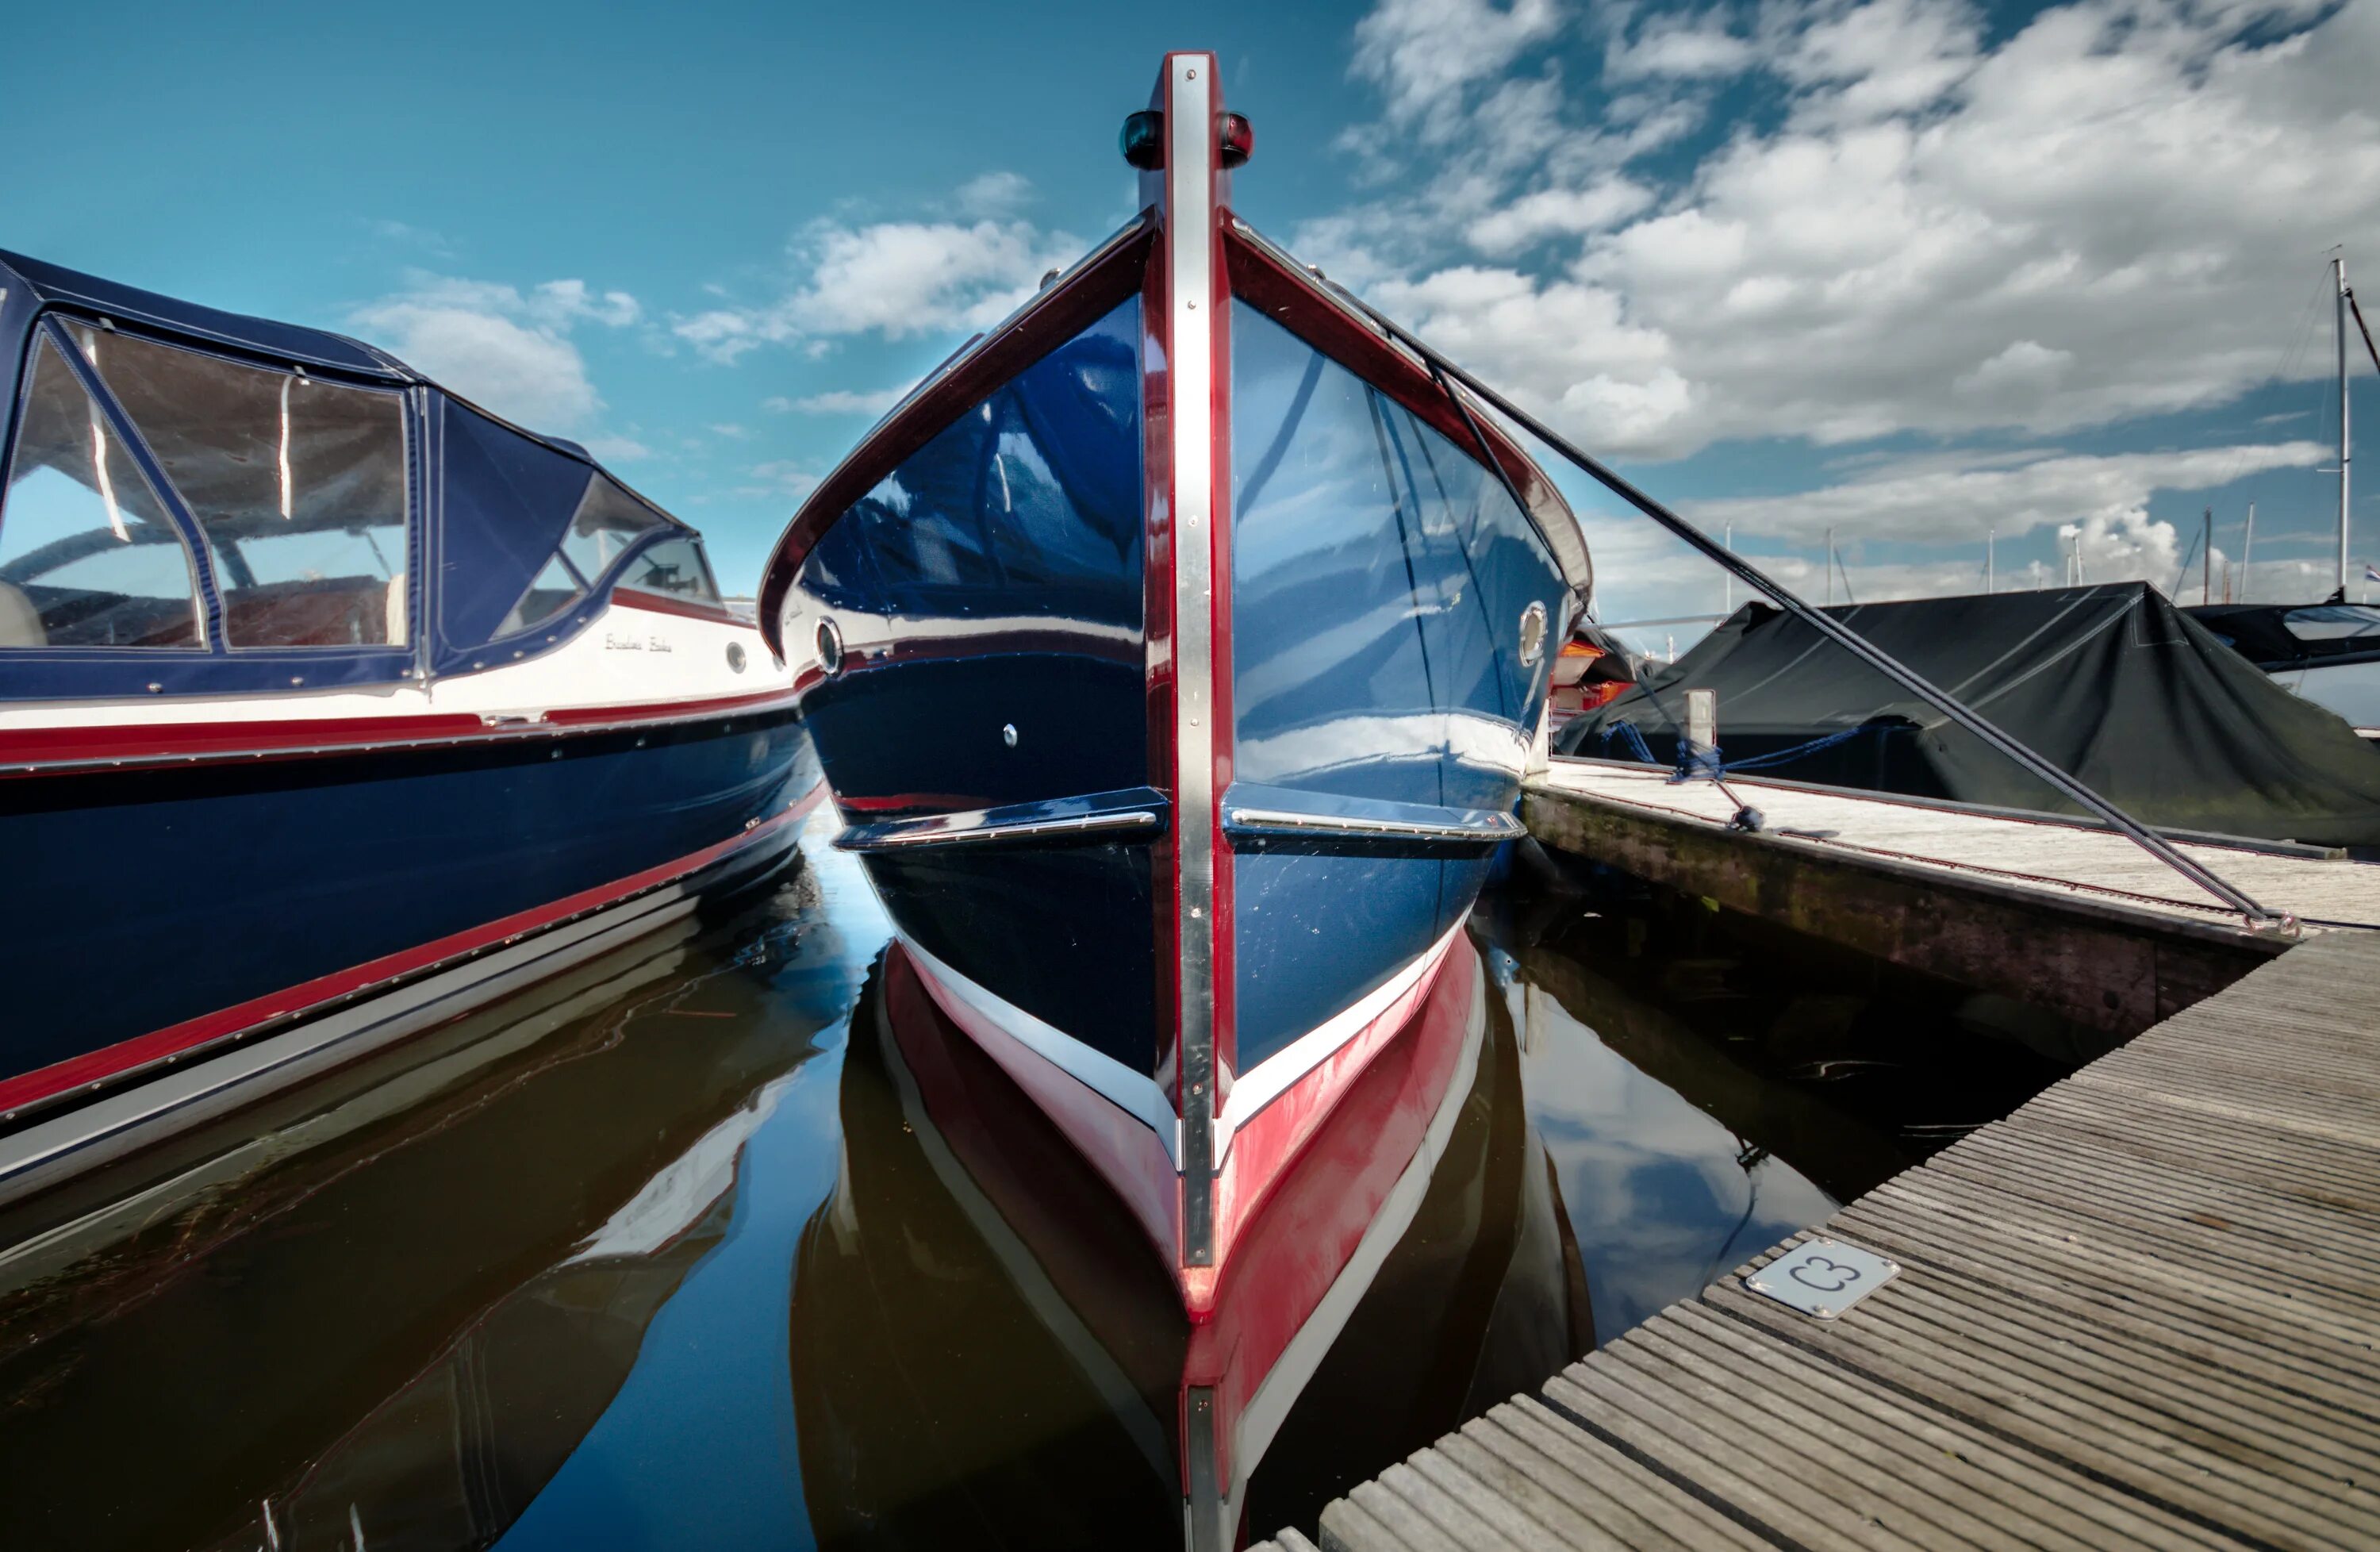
(2063, 913)
(2142, 1310)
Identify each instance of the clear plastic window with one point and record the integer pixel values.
(298, 484)
(87, 557)
(2333, 621)
(553, 590)
(674, 568)
(607, 522)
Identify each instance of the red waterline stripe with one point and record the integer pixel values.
(96, 1066)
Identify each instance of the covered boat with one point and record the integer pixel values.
(330, 704)
(1178, 648)
(2327, 652)
(2110, 682)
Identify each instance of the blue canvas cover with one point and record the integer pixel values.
(290, 342)
(503, 502)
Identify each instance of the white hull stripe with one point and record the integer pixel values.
(1276, 1074)
(1295, 1367)
(1135, 1094)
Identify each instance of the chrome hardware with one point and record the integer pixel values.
(1533, 635)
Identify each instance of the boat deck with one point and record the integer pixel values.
(2072, 917)
(2142, 1310)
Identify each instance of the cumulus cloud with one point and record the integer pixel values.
(788, 478)
(1957, 500)
(500, 347)
(617, 449)
(896, 278)
(1423, 53)
(840, 401)
(2115, 211)
(993, 194)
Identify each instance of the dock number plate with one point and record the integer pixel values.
(1823, 1278)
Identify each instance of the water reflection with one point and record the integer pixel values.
(727, 1240)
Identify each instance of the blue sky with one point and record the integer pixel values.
(1905, 268)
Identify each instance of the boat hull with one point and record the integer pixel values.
(287, 881)
(1179, 650)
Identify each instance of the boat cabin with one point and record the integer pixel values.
(200, 503)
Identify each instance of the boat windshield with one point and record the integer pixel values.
(298, 485)
(2334, 622)
(674, 568)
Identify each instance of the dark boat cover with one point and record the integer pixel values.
(2111, 682)
(2282, 638)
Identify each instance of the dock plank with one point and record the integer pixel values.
(2143, 1311)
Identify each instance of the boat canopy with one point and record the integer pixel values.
(201, 502)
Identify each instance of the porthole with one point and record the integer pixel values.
(1533, 633)
(736, 656)
(829, 647)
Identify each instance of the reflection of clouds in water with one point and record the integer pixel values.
(1650, 1182)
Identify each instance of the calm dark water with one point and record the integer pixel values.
(667, 1253)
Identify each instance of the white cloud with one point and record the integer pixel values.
(1423, 53)
(1605, 203)
(502, 347)
(842, 401)
(1680, 48)
(617, 449)
(785, 477)
(994, 194)
(2115, 211)
(893, 279)
(1954, 500)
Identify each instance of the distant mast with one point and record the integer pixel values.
(2338, 274)
(2248, 554)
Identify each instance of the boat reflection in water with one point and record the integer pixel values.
(402, 1300)
(982, 1350)
(729, 1238)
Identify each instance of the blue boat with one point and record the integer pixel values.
(1175, 655)
(331, 705)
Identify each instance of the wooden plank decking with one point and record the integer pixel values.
(2043, 856)
(2078, 920)
(2143, 1311)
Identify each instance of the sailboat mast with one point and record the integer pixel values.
(2346, 447)
(1991, 583)
(2206, 576)
(2248, 553)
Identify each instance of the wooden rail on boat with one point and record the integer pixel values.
(2143, 1311)
(2060, 913)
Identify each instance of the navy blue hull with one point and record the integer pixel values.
(1381, 578)
(145, 899)
(1391, 607)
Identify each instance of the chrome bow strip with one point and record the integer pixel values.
(1484, 829)
(1127, 812)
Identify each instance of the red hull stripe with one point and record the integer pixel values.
(97, 1066)
(32, 751)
